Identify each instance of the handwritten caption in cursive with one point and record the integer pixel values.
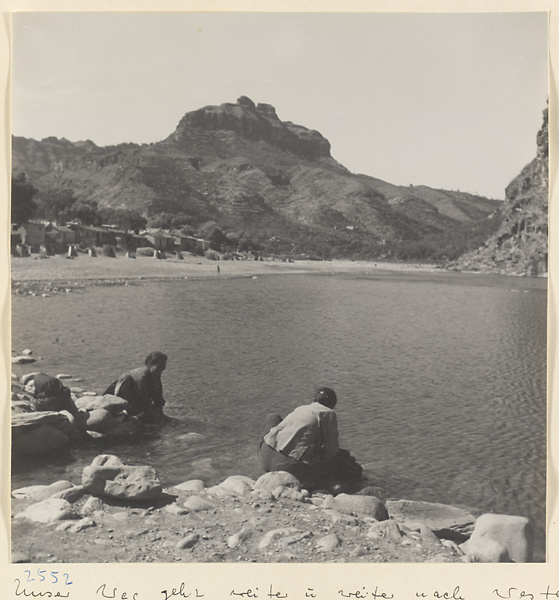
(41, 583)
(25, 587)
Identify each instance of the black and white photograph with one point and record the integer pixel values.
(279, 287)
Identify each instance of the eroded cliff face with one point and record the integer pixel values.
(520, 245)
(255, 122)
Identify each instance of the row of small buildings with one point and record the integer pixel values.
(40, 236)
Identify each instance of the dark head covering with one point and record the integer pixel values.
(326, 396)
(155, 358)
(47, 386)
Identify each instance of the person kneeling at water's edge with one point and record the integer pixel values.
(306, 444)
(143, 390)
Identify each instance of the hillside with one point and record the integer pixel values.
(520, 244)
(257, 177)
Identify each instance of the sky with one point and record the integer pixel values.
(452, 101)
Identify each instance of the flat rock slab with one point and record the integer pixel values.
(27, 420)
(48, 511)
(357, 505)
(41, 492)
(108, 402)
(23, 360)
(448, 522)
(109, 476)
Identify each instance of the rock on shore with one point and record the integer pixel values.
(37, 431)
(268, 520)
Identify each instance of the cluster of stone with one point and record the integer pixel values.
(42, 427)
(242, 509)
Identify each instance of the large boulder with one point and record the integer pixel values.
(113, 404)
(446, 521)
(515, 534)
(109, 476)
(100, 420)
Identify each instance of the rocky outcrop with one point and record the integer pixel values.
(520, 245)
(256, 123)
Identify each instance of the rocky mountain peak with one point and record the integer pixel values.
(256, 123)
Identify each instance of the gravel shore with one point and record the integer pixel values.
(101, 269)
(231, 522)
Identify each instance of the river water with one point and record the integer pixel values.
(441, 378)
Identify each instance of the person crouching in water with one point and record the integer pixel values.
(306, 445)
(143, 390)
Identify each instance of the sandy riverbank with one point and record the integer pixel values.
(84, 268)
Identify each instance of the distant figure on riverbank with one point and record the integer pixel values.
(142, 388)
(306, 444)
